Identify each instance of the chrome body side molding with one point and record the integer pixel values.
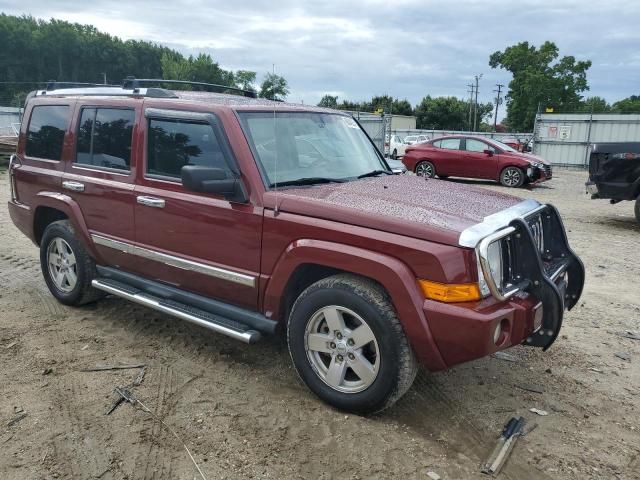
(178, 262)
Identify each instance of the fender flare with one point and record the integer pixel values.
(395, 276)
(72, 210)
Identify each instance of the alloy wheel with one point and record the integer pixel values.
(342, 349)
(62, 265)
(425, 169)
(512, 177)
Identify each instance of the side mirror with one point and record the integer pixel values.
(488, 152)
(213, 180)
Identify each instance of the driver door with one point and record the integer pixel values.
(198, 242)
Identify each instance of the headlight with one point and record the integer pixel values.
(491, 265)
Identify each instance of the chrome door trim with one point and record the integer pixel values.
(177, 262)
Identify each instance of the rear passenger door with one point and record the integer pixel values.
(100, 178)
(449, 160)
(198, 242)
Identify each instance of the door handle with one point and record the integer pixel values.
(150, 201)
(73, 186)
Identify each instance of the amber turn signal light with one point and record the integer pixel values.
(450, 292)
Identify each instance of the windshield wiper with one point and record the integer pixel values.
(306, 181)
(374, 173)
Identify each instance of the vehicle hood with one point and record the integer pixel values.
(428, 209)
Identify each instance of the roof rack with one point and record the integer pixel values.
(132, 82)
(55, 85)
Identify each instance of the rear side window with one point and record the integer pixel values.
(45, 135)
(448, 144)
(104, 137)
(172, 144)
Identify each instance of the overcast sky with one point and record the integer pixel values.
(356, 49)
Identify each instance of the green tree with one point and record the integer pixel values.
(448, 113)
(274, 87)
(245, 79)
(328, 101)
(540, 78)
(627, 105)
(595, 105)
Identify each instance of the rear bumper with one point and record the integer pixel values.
(22, 217)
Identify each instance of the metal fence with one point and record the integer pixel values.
(9, 120)
(376, 126)
(565, 139)
(521, 137)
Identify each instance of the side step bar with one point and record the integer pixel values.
(183, 311)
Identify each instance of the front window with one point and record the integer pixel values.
(505, 147)
(473, 145)
(300, 147)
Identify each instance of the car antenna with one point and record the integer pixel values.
(276, 210)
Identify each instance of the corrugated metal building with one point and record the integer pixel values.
(565, 139)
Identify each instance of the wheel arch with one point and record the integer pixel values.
(321, 259)
(51, 207)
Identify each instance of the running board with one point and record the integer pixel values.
(183, 311)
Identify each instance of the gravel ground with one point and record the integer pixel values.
(243, 413)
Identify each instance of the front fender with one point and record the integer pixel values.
(71, 209)
(392, 274)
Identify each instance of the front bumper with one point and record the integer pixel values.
(538, 174)
(548, 278)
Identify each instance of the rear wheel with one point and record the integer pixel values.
(348, 346)
(66, 266)
(512, 177)
(426, 169)
(637, 209)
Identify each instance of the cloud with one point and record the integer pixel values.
(357, 49)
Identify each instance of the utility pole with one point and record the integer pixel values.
(495, 119)
(475, 110)
(471, 86)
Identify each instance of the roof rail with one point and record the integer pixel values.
(133, 83)
(55, 85)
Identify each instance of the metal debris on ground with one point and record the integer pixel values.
(504, 356)
(537, 411)
(623, 356)
(16, 419)
(102, 368)
(597, 370)
(433, 475)
(128, 396)
(631, 335)
(120, 397)
(510, 433)
(531, 388)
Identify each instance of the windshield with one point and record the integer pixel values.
(305, 146)
(504, 146)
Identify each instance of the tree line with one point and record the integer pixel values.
(36, 51)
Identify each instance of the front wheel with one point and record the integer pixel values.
(426, 169)
(66, 266)
(512, 177)
(348, 346)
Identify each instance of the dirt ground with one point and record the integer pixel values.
(243, 413)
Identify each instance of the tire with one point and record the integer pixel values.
(394, 155)
(62, 259)
(637, 209)
(425, 169)
(512, 177)
(365, 379)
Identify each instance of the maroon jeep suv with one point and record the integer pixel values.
(248, 217)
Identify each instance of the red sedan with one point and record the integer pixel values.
(475, 157)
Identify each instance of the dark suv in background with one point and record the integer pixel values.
(246, 216)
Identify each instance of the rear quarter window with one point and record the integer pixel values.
(45, 135)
